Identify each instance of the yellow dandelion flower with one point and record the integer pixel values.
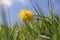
(26, 14)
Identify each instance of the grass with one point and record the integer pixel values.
(42, 28)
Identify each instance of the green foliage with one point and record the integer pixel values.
(32, 30)
(42, 28)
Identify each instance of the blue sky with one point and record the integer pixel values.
(15, 7)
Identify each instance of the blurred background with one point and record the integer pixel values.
(45, 26)
(10, 8)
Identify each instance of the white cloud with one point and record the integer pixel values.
(10, 2)
(7, 2)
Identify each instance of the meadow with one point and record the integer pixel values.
(40, 28)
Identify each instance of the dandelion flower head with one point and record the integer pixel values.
(26, 15)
